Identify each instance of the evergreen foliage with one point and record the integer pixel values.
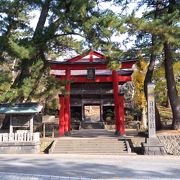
(157, 33)
(25, 50)
(160, 81)
(59, 22)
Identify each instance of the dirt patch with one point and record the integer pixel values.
(168, 132)
(45, 145)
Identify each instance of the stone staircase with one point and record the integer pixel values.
(93, 145)
(92, 125)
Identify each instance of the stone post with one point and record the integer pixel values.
(11, 124)
(31, 124)
(152, 146)
(151, 111)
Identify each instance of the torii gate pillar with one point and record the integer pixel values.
(67, 113)
(118, 106)
(61, 115)
(121, 113)
(116, 100)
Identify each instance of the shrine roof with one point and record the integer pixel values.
(23, 108)
(85, 63)
(92, 57)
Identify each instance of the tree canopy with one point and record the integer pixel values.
(54, 34)
(66, 25)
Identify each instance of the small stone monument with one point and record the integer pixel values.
(151, 112)
(152, 145)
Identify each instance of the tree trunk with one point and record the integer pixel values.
(148, 79)
(169, 74)
(167, 103)
(42, 20)
(149, 74)
(171, 86)
(37, 40)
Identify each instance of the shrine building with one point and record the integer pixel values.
(90, 82)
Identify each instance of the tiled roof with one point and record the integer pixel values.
(24, 108)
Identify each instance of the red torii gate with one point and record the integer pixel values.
(84, 62)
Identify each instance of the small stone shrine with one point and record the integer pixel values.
(16, 133)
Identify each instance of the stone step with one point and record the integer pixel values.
(92, 147)
(89, 146)
(94, 153)
(92, 125)
(88, 143)
(88, 152)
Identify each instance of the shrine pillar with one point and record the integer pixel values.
(121, 114)
(116, 99)
(67, 113)
(61, 115)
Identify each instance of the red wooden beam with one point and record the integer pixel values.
(99, 55)
(82, 79)
(90, 54)
(127, 65)
(76, 58)
(91, 57)
(124, 65)
(78, 66)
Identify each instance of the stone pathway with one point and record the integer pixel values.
(21, 176)
(89, 167)
(92, 133)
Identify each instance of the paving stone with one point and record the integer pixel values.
(19, 176)
(54, 178)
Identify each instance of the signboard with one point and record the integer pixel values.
(91, 73)
(151, 111)
(48, 119)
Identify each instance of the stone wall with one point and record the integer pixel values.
(171, 143)
(20, 148)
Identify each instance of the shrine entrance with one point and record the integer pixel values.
(89, 82)
(92, 113)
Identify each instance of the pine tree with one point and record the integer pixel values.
(160, 81)
(145, 41)
(54, 34)
(161, 23)
(168, 59)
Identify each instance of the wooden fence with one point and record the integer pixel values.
(19, 137)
